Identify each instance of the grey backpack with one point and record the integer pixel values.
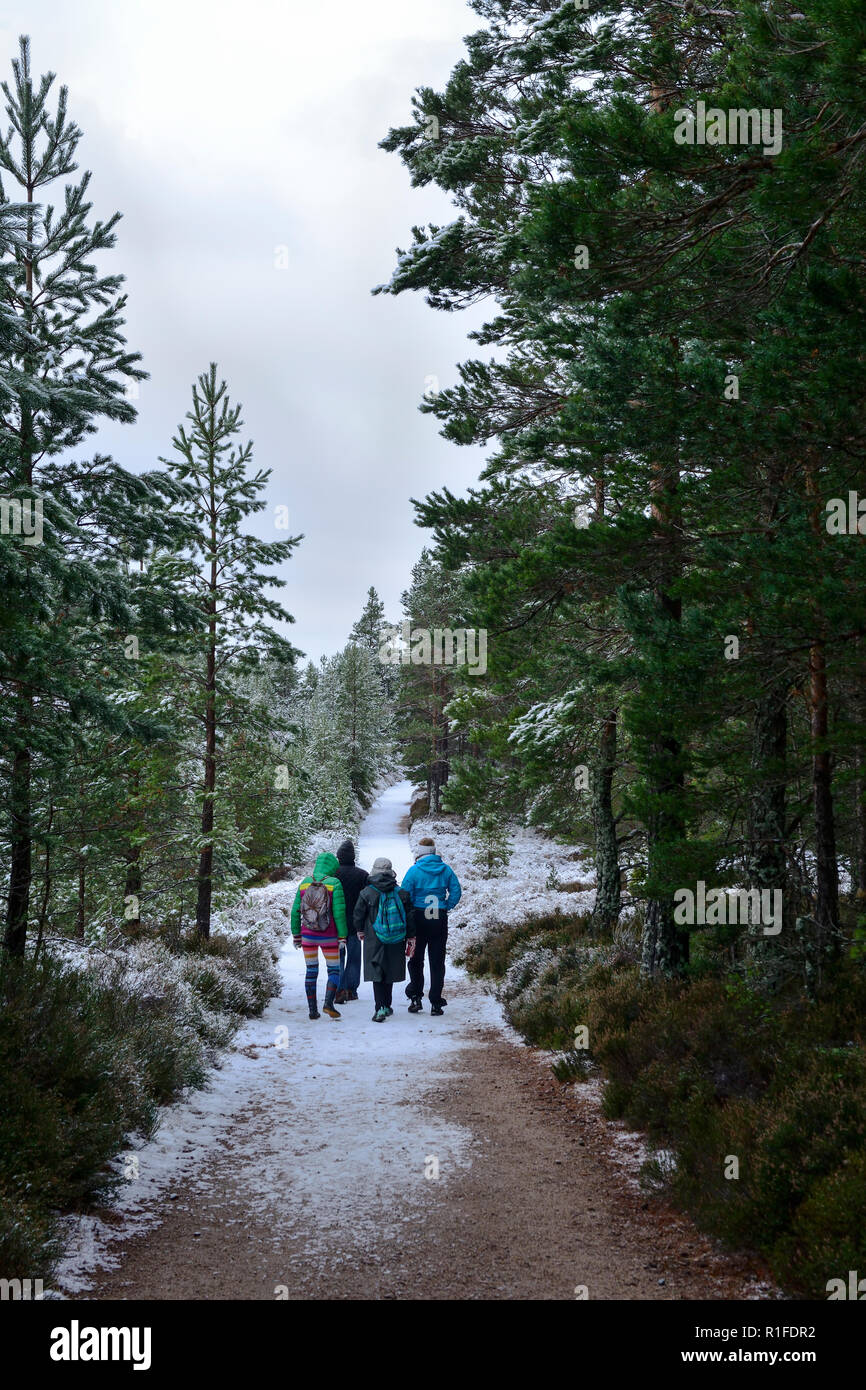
(316, 908)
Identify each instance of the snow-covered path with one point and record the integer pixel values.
(327, 1119)
(382, 835)
(420, 1158)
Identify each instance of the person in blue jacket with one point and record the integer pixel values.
(434, 890)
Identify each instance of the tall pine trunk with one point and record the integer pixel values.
(860, 824)
(132, 886)
(608, 896)
(46, 880)
(80, 917)
(826, 865)
(766, 858)
(205, 864)
(827, 896)
(433, 771)
(665, 945)
(439, 740)
(21, 844)
(20, 865)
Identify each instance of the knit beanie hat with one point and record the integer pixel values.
(346, 853)
(382, 866)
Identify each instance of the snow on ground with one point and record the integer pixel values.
(628, 1148)
(542, 878)
(325, 1124)
(381, 836)
(309, 1106)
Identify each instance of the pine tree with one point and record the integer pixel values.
(229, 580)
(264, 783)
(491, 845)
(424, 688)
(368, 632)
(328, 794)
(64, 366)
(361, 719)
(695, 267)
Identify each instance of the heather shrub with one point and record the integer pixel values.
(92, 1042)
(714, 1067)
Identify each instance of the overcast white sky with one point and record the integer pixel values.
(223, 129)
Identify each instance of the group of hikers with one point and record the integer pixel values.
(340, 908)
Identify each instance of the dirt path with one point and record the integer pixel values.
(541, 1209)
(310, 1171)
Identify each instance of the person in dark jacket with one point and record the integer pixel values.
(384, 962)
(353, 880)
(434, 889)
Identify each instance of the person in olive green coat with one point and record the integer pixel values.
(319, 923)
(384, 962)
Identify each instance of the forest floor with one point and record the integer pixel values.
(420, 1158)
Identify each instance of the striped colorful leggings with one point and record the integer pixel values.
(331, 952)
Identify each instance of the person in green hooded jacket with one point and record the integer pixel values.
(319, 923)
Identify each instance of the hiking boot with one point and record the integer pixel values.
(437, 1011)
(380, 1015)
(352, 997)
(389, 1010)
(341, 996)
(416, 1007)
(314, 1013)
(331, 1011)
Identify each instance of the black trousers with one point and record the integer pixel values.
(430, 935)
(382, 993)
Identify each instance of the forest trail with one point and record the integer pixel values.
(307, 1171)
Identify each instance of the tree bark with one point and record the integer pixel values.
(21, 847)
(826, 865)
(82, 887)
(439, 741)
(46, 884)
(20, 868)
(132, 887)
(665, 945)
(608, 896)
(766, 860)
(205, 864)
(827, 896)
(860, 822)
